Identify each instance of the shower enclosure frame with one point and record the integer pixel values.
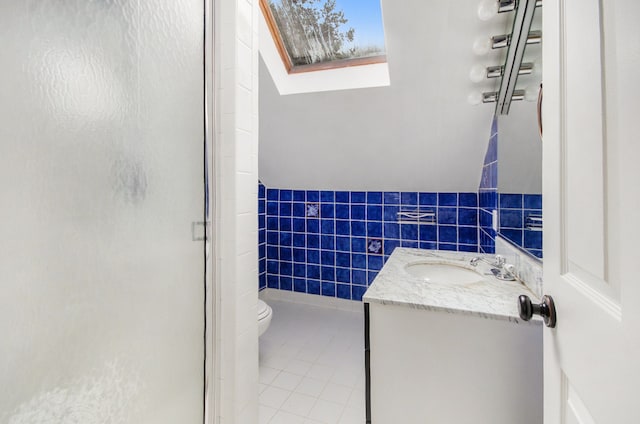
(211, 396)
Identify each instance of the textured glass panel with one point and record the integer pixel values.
(101, 304)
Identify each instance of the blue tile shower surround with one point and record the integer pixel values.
(514, 209)
(488, 193)
(334, 243)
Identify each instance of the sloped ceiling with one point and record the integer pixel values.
(418, 134)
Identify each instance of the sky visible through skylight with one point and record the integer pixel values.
(366, 17)
(327, 37)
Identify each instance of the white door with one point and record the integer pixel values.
(592, 210)
(101, 176)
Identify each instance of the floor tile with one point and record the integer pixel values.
(267, 374)
(309, 354)
(352, 416)
(321, 372)
(336, 393)
(345, 378)
(266, 413)
(298, 367)
(357, 399)
(286, 380)
(326, 412)
(273, 397)
(312, 366)
(276, 362)
(299, 404)
(311, 386)
(283, 417)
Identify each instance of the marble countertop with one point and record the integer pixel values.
(487, 298)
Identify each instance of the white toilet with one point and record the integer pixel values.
(264, 317)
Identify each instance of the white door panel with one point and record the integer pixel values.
(576, 411)
(591, 192)
(583, 189)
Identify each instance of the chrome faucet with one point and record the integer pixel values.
(498, 261)
(502, 271)
(500, 268)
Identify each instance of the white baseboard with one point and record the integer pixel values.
(311, 299)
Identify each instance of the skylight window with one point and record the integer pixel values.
(325, 34)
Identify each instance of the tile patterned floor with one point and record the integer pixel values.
(312, 366)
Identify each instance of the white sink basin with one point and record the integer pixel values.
(442, 273)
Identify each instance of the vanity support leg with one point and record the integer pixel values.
(367, 364)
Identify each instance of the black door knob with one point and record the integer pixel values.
(546, 309)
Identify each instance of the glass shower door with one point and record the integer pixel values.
(101, 175)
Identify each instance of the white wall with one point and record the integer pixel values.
(417, 134)
(235, 222)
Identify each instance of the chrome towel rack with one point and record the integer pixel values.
(416, 216)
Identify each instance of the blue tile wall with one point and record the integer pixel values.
(262, 236)
(514, 209)
(334, 243)
(488, 193)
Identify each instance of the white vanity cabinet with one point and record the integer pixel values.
(434, 357)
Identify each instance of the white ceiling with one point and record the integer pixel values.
(418, 134)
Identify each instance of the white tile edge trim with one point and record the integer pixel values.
(310, 299)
